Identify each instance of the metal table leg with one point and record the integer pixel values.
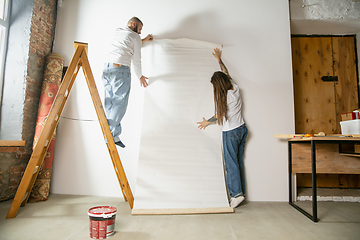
(314, 185)
(314, 193)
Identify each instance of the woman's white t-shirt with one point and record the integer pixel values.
(234, 104)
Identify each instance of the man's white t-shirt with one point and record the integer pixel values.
(125, 47)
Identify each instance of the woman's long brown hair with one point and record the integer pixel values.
(221, 84)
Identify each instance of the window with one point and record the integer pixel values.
(4, 30)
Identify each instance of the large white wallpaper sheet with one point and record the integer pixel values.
(179, 166)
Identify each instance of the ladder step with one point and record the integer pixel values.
(25, 196)
(35, 169)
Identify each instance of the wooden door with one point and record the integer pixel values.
(318, 102)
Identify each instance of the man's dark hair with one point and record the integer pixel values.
(134, 19)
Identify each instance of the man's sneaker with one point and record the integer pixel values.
(120, 144)
(234, 202)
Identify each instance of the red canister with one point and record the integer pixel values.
(102, 221)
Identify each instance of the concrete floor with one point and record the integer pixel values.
(65, 217)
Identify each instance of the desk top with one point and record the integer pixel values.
(329, 137)
(325, 138)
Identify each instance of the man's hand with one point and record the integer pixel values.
(217, 54)
(143, 81)
(148, 38)
(203, 124)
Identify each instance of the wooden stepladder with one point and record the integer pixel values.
(80, 59)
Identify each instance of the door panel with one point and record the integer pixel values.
(346, 89)
(314, 98)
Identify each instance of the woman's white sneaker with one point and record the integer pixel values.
(234, 202)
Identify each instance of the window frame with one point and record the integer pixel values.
(5, 24)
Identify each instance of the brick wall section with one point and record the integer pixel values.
(16, 173)
(12, 167)
(13, 160)
(20, 152)
(12, 149)
(41, 42)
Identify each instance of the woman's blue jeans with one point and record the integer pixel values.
(233, 147)
(117, 82)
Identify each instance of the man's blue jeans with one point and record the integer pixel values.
(117, 82)
(233, 147)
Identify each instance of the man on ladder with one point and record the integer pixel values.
(125, 47)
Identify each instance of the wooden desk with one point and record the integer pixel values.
(314, 141)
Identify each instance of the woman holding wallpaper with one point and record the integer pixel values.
(228, 106)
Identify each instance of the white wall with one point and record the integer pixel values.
(256, 39)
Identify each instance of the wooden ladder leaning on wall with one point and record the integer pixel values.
(80, 59)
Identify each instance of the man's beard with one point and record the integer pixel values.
(136, 28)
